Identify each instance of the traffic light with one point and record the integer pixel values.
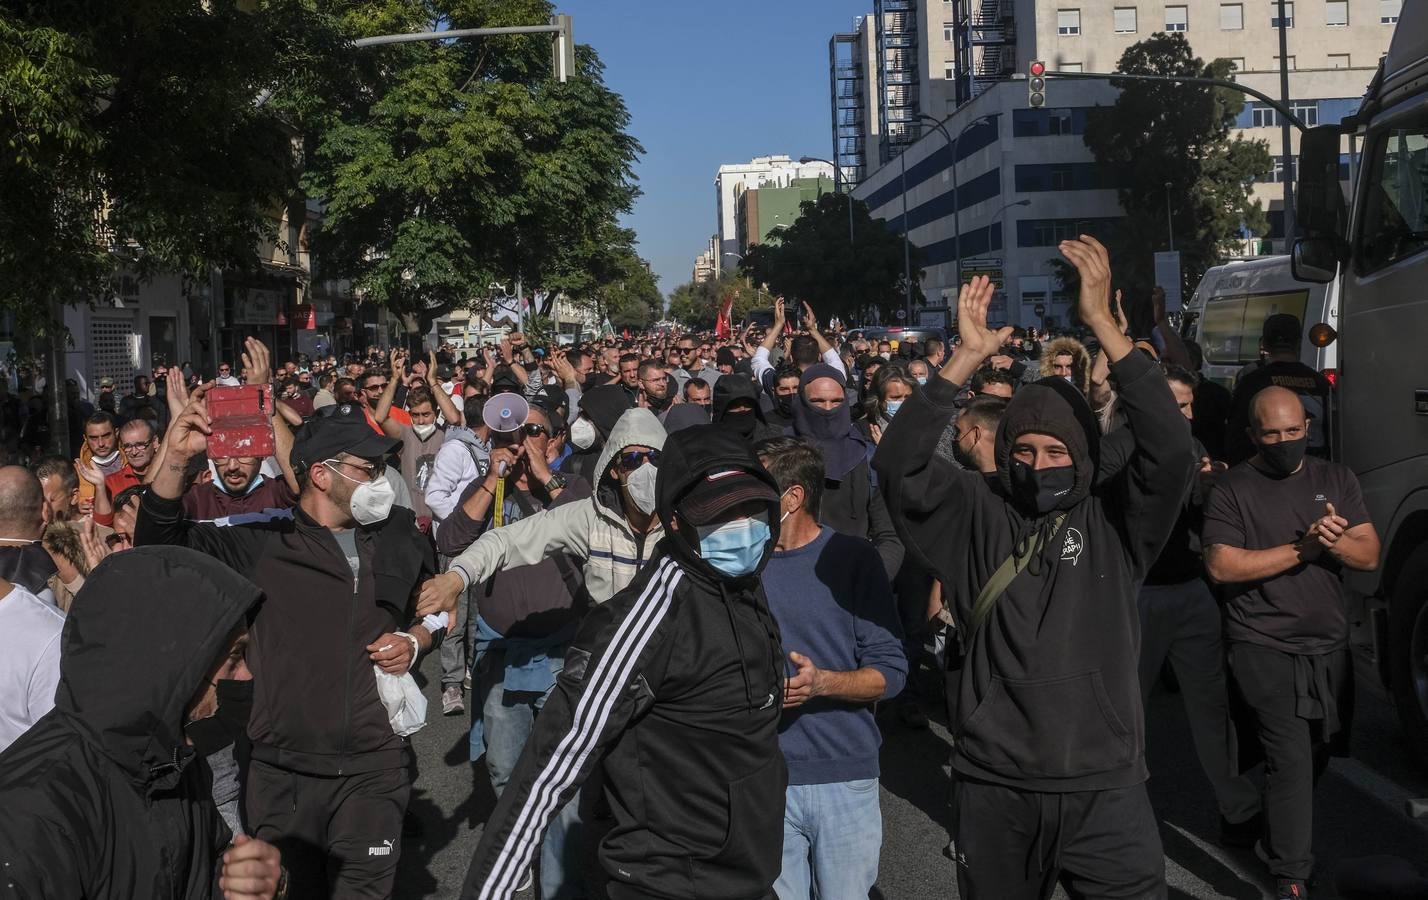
(1036, 84)
(563, 52)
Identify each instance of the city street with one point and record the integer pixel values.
(1358, 809)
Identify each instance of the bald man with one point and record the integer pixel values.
(1278, 530)
(23, 559)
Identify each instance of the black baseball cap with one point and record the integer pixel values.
(720, 491)
(1282, 331)
(342, 428)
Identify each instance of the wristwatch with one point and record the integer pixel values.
(556, 483)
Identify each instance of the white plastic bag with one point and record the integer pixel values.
(406, 707)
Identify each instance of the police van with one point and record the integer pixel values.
(1374, 249)
(1227, 313)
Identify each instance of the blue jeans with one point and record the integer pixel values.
(832, 834)
(507, 727)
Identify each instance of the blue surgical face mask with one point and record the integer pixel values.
(892, 406)
(735, 548)
(922, 380)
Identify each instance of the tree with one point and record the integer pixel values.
(449, 166)
(813, 261)
(1158, 133)
(697, 304)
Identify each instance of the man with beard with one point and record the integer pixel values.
(329, 779)
(101, 449)
(1279, 530)
(655, 393)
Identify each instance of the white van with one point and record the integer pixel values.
(1227, 313)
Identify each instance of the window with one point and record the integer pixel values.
(1060, 177)
(1125, 19)
(1237, 63)
(1177, 18)
(948, 32)
(1288, 63)
(1263, 116)
(1059, 121)
(949, 69)
(1068, 21)
(1339, 61)
(1388, 11)
(1395, 222)
(1307, 111)
(1274, 14)
(1069, 67)
(1232, 16)
(1336, 12)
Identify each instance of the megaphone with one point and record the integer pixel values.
(505, 413)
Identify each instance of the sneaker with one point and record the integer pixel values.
(451, 702)
(1242, 834)
(525, 884)
(1290, 889)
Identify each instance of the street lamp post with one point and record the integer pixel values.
(906, 242)
(956, 203)
(837, 181)
(1169, 219)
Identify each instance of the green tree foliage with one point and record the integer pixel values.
(696, 304)
(814, 261)
(1163, 132)
(447, 166)
(130, 134)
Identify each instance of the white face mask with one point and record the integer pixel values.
(371, 500)
(106, 460)
(641, 486)
(424, 431)
(582, 433)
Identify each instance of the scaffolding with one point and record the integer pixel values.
(898, 82)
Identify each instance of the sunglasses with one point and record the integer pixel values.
(636, 458)
(531, 429)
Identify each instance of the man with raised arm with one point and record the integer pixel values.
(1041, 566)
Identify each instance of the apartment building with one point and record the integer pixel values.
(1025, 178)
(732, 179)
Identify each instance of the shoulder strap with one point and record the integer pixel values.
(1007, 572)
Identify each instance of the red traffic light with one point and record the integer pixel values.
(1038, 68)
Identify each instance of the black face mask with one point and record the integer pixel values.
(742, 422)
(1285, 457)
(784, 404)
(1041, 490)
(228, 723)
(964, 458)
(659, 404)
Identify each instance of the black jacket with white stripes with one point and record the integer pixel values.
(674, 685)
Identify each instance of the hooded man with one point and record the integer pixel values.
(1042, 569)
(105, 797)
(329, 778)
(823, 416)
(673, 687)
(1066, 358)
(736, 407)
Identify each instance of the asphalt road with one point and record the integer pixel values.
(1358, 807)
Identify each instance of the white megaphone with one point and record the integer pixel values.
(505, 413)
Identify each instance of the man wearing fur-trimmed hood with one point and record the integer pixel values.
(1067, 358)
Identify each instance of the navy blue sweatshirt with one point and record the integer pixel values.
(833, 604)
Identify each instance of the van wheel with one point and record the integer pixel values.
(1408, 651)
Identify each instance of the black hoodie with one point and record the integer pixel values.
(1050, 693)
(102, 797)
(674, 684)
(749, 425)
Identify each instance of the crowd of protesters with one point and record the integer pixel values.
(681, 583)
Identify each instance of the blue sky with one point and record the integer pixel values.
(706, 84)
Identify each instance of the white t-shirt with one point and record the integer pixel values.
(30, 667)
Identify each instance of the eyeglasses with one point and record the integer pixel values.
(370, 469)
(131, 448)
(636, 458)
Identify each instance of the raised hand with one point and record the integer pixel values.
(188, 434)
(175, 392)
(809, 320)
(257, 362)
(973, 301)
(1093, 265)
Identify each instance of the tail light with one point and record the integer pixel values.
(1333, 376)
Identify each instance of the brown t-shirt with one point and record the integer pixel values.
(1302, 610)
(418, 462)
(205, 502)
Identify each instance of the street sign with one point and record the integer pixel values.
(990, 266)
(1039, 309)
(1167, 275)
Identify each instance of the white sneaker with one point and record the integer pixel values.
(451, 702)
(525, 884)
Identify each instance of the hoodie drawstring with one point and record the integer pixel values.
(738, 643)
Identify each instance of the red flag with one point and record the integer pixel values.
(723, 324)
(626, 334)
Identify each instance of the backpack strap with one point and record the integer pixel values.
(1007, 572)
